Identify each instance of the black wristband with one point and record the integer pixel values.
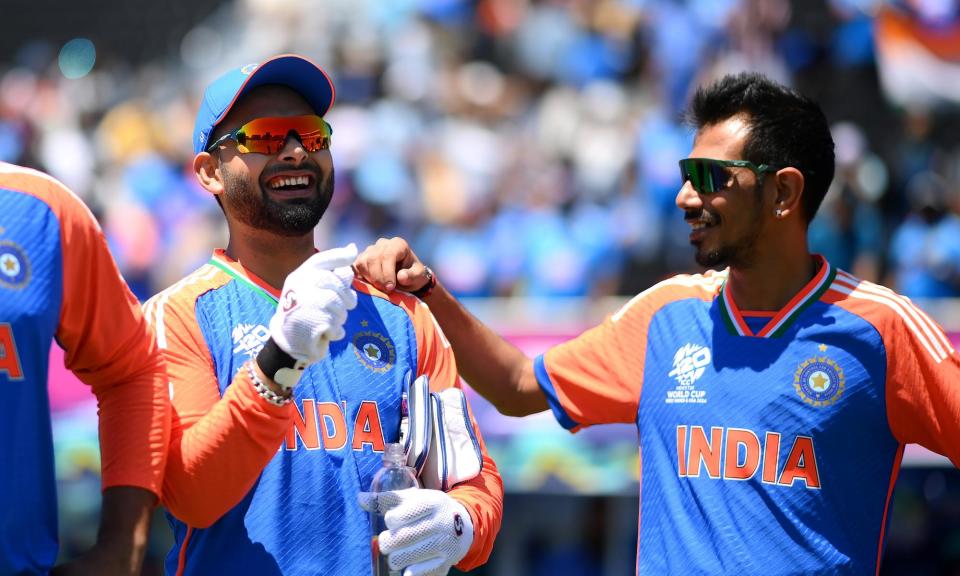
(272, 358)
(427, 288)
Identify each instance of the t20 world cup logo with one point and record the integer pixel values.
(689, 363)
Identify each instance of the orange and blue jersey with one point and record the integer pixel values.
(58, 280)
(255, 488)
(769, 442)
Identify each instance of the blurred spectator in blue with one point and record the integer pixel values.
(848, 229)
(925, 250)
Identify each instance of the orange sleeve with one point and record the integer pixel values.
(597, 377)
(107, 344)
(218, 446)
(923, 396)
(923, 370)
(481, 496)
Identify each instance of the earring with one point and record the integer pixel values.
(778, 213)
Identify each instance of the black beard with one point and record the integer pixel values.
(291, 218)
(741, 254)
(715, 259)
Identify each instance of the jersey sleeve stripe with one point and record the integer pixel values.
(916, 312)
(929, 327)
(710, 282)
(148, 308)
(937, 330)
(203, 274)
(543, 378)
(935, 351)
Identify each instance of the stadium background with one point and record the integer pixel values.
(528, 149)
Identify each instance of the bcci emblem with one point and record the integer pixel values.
(14, 266)
(375, 350)
(819, 381)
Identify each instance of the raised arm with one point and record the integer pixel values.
(496, 369)
(219, 446)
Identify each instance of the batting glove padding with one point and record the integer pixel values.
(428, 531)
(314, 303)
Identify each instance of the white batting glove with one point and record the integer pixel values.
(314, 303)
(428, 531)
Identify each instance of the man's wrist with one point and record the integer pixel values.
(427, 289)
(267, 388)
(279, 366)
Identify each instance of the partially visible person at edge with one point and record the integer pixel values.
(283, 401)
(773, 396)
(58, 281)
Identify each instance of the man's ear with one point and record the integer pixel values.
(207, 170)
(789, 192)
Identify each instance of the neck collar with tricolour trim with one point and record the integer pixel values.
(238, 272)
(810, 293)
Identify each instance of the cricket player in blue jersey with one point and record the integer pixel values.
(286, 376)
(773, 395)
(58, 281)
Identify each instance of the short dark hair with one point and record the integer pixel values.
(786, 128)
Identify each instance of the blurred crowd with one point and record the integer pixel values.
(525, 147)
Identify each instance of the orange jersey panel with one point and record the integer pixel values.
(218, 445)
(923, 369)
(107, 343)
(598, 376)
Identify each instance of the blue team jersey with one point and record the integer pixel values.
(769, 443)
(57, 280)
(30, 297)
(301, 515)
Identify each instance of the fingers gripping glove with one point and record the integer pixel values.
(428, 531)
(314, 303)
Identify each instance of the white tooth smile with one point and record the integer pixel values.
(287, 181)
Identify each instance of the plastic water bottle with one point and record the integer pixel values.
(395, 475)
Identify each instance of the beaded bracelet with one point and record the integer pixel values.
(265, 392)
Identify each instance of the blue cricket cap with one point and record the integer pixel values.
(296, 72)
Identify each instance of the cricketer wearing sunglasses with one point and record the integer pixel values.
(773, 396)
(286, 374)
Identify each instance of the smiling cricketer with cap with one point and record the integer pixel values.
(286, 374)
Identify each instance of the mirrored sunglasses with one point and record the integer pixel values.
(269, 135)
(709, 176)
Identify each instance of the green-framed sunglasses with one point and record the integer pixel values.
(709, 176)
